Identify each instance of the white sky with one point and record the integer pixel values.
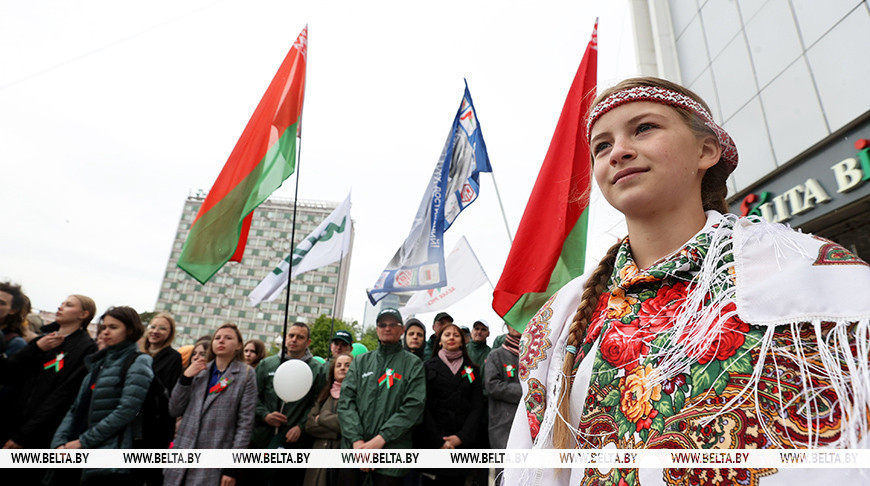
(111, 113)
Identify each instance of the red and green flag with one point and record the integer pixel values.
(263, 158)
(550, 244)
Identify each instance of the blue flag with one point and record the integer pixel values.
(455, 183)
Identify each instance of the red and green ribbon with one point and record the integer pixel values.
(389, 378)
(510, 369)
(220, 385)
(468, 372)
(56, 363)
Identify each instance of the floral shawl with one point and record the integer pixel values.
(714, 346)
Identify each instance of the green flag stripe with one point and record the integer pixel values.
(215, 235)
(570, 263)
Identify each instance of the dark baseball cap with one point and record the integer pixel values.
(342, 335)
(389, 311)
(442, 315)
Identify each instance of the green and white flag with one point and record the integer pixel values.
(328, 243)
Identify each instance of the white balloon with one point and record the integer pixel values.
(292, 380)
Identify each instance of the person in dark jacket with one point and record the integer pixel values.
(12, 301)
(414, 340)
(502, 383)
(43, 380)
(167, 369)
(454, 403)
(109, 398)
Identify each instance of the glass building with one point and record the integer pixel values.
(788, 80)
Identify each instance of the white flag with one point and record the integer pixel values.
(326, 244)
(464, 276)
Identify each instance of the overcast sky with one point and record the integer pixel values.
(111, 113)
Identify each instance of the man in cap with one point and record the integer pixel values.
(382, 398)
(477, 348)
(441, 319)
(341, 342)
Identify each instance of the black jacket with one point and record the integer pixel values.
(40, 394)
(454, 404)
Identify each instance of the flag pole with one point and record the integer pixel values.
(335, 300)
(293, 231)
(503, 215)
(290, 270)
(292, 248)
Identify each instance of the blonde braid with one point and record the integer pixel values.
(592, 290)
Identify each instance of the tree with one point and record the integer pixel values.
(147, 316)
(320, 334)
(370, 338)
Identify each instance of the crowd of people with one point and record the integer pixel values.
(128, 387)
(699, 330)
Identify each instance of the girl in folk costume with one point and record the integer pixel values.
(216, 402)
(700, 329)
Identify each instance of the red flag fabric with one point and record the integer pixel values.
(263, 158)
(550, 244)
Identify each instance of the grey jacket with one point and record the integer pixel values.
(217, 420)
(504, 394)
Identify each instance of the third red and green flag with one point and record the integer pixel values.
(263, 158)
(550, 244)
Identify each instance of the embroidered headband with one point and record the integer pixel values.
(670, 98)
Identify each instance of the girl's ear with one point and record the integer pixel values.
(710, 152)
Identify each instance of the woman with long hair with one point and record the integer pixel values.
(216, 402)
(255, 351)
(44, 378)
(700, 329)
(454, 403)
(109, 399)
(167, 369)
(12, 302)
(322, 422)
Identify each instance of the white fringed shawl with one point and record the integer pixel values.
(782, 278)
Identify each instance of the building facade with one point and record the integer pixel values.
(787, 80)
(200, 309)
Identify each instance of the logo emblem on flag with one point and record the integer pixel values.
(389, 378)
(56, 363)
(405, 278)
(468, 194)
(429, 274)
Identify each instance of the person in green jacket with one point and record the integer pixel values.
(477, 348)
(382, 399)
(279, 424)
